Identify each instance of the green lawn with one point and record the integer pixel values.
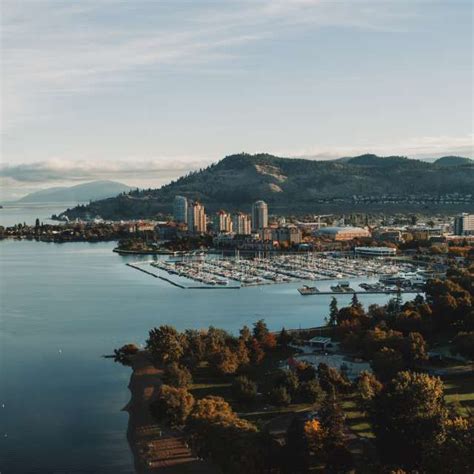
(356, 420)
(460, 390)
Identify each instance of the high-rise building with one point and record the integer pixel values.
(464, 224)
(223, 222)
(241, 224)
(180, 209)
(196, 218)
(259, 216)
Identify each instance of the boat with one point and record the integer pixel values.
(308, 290)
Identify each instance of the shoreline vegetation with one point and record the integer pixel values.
(155, 447)
(338, 398)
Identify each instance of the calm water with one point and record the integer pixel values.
(12, 214)
(62, 307)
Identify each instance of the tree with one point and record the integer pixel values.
(244, 389)
(284, 338)
(310, 392)
(368, 387)
(387, 363)
(166, 344)
(225, 362)
(408, 418)
(463, 344)
(330, 378)
(287, 379)
(245, 334)
(332, 419)
(269, 341)
(456, 453)
(256, 352)
(280, 396)
(242, 353)
(314, 434)
(333, 311)
(219, 434)
(414, 349)
(305, 371)
(195, 346)
(260, 330)
(172, 405)
(355, 303)
(178, 376)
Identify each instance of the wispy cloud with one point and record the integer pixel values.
(50, 171)
(415, 147)
(54, 48)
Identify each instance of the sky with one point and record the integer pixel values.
(144, 91)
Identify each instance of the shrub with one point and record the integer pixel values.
(244, 389)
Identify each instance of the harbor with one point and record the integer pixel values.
(379, 276)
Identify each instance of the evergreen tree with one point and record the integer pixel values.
(333, 311)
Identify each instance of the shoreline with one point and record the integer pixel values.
(155, 448)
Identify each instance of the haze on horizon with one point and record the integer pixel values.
(142, 92)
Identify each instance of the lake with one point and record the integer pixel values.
(65, 305)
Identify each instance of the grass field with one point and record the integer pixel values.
(460, 390)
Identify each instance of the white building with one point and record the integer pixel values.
(241, 224)
(196, 218)
(375, 251)
(223, 222)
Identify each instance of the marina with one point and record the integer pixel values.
(201, 272)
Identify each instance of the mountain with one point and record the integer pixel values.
(289, 185)
(453, 161)
(80, 193)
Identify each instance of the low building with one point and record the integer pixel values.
(375, 251)
(319, 342)
(289, 234)
(342, 233)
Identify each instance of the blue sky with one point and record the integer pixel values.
(143, 91)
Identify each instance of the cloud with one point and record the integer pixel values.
(54, 48)
(53, 171)
(416, 147)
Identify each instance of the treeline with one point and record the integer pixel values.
(394, 336)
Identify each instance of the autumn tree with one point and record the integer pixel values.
(368, 387)
(172, 405)
(166, 344)
(177, 376)
(408, 418)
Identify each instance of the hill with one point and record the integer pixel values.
(453, 161)
(366, 182)
(86, 192)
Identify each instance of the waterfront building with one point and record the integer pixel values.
(241, 224)
(288, 234)
(180, 209)
(196, 218)
(259, 216)
(223, 222)
(342, 233)
(464, 224)
(375, 251)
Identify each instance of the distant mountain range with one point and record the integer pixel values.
(80, 193)
(289, 185)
